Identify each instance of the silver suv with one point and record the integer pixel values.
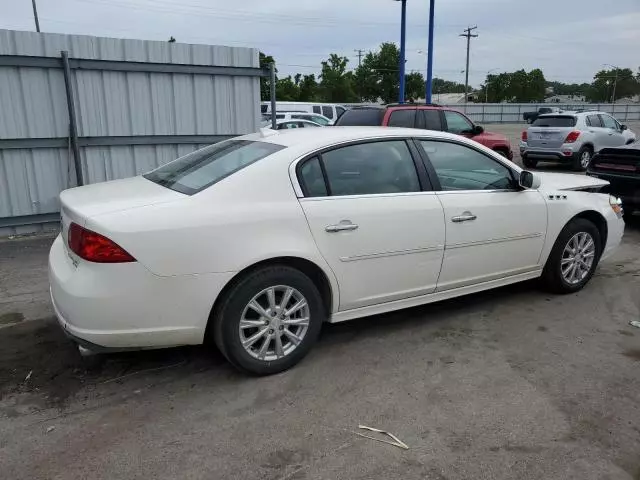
(571, 137)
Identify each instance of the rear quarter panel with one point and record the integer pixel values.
(251, 216)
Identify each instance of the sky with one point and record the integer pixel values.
(569, 40)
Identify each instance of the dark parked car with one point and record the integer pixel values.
(621, 167)
(531, 117)
(429, 117)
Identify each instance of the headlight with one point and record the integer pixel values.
(616, 205)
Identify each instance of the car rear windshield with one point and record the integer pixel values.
(555, 121)
(202, 168)
(361, 117)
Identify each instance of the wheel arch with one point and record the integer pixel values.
(589, 144)
(598, 220)
(318, 276)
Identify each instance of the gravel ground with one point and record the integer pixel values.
(512, 383)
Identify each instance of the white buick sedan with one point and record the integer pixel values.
(254, 242)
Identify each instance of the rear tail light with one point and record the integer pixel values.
(524, 136)
(94, 247)
(572, 137)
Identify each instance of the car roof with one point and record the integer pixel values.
(319, 137)
(397, 106)
(289, 120)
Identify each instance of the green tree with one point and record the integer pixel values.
(518, 86)
(308, 88)
(336, 84)
(265, 62)
(626, 85)
(414, 87)
(366, 79)
(386, 70)
(287, 90)
(439, 85)
(377, 76)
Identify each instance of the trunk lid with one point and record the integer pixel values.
(550, 131)
(78, 204)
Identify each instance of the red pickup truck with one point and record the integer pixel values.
(430, 117)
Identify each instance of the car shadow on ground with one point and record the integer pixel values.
(37, 360)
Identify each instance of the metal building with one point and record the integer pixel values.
(137, 104)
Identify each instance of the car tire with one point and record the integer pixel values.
(529, 162)
(582, 158)
(502, 152)
(272, 349)
(558, 276)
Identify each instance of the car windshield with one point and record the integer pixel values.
(555, 121)
(202, 168)
(361, 117)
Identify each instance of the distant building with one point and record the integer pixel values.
(565, 99)
(449, 98)
(634, 99)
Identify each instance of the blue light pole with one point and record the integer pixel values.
(430, 54)
(403, 38)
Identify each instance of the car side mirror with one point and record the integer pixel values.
(529, 180)
(623, 127)
(477, 129)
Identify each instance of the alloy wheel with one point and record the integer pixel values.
(577, 257)
(584, 158)
(274, 323)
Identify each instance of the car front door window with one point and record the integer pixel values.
(457, 123)
(609, 122)
(459, 167)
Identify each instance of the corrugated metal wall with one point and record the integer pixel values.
(110, 103)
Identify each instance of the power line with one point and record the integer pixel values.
(198, 10)
(469, 35)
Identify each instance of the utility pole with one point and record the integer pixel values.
(469, 35)
(360, 55)
(35, 15)
(615, 81)
(429, 81)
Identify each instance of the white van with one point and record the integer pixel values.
(330, 110)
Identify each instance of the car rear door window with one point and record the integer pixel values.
(457, 123)
(368, 168)
(327, 111)
(362, 117)
(312, 179)
(594, 120)
(316, 109)
(432, 119)
(459, 167)
(403, 118)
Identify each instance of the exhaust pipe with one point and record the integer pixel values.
(85, 352)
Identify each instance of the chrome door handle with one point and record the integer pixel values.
(465, 217)
(344, 225)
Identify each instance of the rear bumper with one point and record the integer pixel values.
(565, 153)
(124, 306)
